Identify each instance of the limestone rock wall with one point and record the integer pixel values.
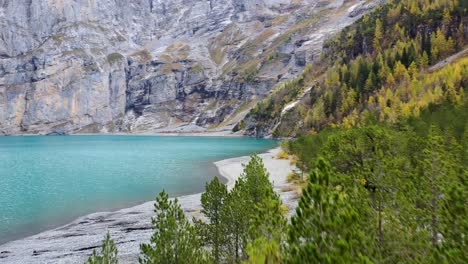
(88, 66)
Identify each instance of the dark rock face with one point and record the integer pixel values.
(149, 66)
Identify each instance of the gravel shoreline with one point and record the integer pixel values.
(129, 227)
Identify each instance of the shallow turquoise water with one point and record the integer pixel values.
(46, 181)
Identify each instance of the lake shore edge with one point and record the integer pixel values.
(129, 227)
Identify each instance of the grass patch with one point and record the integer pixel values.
(178, 50)
(230, 36)
(197, 68)
(143, 55)
(217, 54)
(297, 180)
(96, 51)
(58, 38)
(293, 160)
(171, 67)
(279, 20)
(282, 155)
(76, 52)
(293, 177)
(284, 209)
(251, 47)
(114, 57)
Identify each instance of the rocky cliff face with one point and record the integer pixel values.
(88, 66)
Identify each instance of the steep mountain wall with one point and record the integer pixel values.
(88, 66)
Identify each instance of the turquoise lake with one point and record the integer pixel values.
(48, 181)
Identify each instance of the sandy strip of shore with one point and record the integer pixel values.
(129, 227)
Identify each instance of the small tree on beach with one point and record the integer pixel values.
(108, 253)
(265, 217)
(236, 222)
(175, 240)
(252, 210)
(212, 201)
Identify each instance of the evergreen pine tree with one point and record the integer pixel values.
(378, 35)
(453, 225)
(252, 210)
(325, 229)
(256, 180)
(265, 218)
(434, 175)
(108, 253)
(174, 240)
(235, 217)
(263, 251)
(212, 201)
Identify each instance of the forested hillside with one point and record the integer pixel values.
(380, 66)
(405, 184)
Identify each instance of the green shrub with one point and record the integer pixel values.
(114, 57)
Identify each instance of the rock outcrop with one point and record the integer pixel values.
(143, 66)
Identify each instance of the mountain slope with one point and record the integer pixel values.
(379, 67)
(152, 66)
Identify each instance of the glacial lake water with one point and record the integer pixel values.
(48, 181)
